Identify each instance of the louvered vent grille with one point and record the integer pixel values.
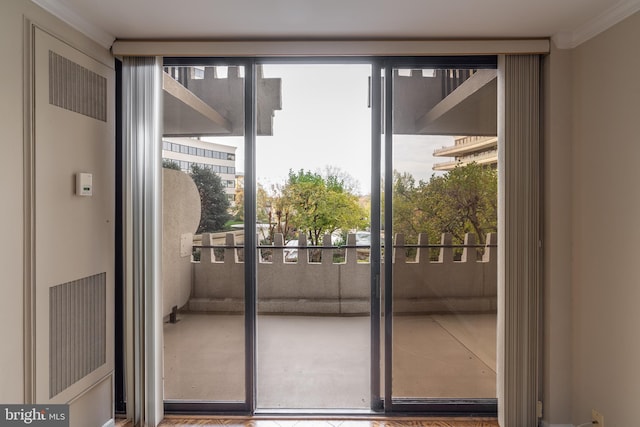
(77, 89)
(77, 339)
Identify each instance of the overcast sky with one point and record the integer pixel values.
(325, 121)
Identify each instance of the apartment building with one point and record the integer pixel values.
(218, 158)
(586, 348)
(482, 150)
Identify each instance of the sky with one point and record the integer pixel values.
(325, 121)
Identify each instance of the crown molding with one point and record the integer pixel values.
(68, 15)
(597, 25)
(563, 40)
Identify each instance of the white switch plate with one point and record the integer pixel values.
(84, 184)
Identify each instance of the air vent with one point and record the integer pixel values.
(77, 339)
(77, 89)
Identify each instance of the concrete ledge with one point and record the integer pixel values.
(345, 306)
(299, 306)
(281, 306)
(355, 306)
(226, 305)
(446, 305)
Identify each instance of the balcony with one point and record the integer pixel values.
(466, 145)
(483, 158)
(328, 287)
(313, 322)
(202, 102)
(438, 356)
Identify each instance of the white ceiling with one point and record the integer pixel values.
(569, 22)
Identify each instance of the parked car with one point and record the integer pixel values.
(291, 255)
(363, 238)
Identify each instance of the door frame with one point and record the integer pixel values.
(381, 93)
(435, 406)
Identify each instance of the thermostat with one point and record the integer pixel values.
(84, 184)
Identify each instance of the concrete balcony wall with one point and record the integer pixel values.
(180, 219)
(211, 104)
(325, 287)
(468, 285)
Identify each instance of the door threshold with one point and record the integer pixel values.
(316, 413)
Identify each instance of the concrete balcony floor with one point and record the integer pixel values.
(308, 362)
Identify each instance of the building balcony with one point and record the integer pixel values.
(467, 144)
(199, 101)
(313, 323)
(313, 320)
(421, 284)
(484, 158)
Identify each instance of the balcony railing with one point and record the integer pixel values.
(421, 283)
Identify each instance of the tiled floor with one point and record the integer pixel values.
(307, 362)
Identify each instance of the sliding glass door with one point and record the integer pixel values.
(329, 267)
(313, 176)
(440, 211)
(207, 329)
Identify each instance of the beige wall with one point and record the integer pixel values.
(13, 17)
(11, 371)
(556, 222)
(592, 135)
(606, 209)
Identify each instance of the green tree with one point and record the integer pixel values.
(170, 164)
(215, 205)
(464, 200)
(346, 181)
(238, 209)
(315, 205)
(272, 210)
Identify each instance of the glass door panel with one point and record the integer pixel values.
(313, 210)
(443, 192)
(309, 154)
(203, 258)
